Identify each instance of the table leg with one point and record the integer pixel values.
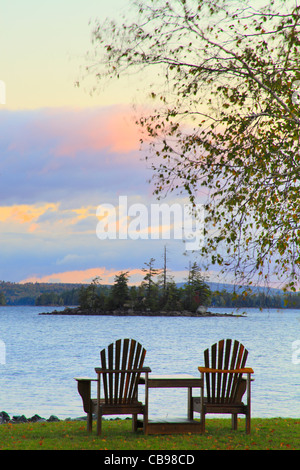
(190, 413)
(146, 409)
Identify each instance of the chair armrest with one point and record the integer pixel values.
(85, 379)
(84, 390)
(99, 370)
(246, 370)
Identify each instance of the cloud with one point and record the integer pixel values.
(45, 218)
(109, 128)
(81, 276)
(86, 276)
(67, 132)
(56, 167)
(23, 217)
(60, 154)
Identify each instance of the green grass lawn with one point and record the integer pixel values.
(272, 434)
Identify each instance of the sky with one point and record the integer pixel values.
(71, 170)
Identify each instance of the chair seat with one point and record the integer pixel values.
(197, 403)
(116, 408)
(230, 408)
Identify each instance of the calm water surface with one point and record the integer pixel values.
(43, 354)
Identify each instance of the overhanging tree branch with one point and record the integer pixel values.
(223, 120)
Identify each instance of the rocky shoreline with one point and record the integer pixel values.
(18, 419)
(6, 419)
(143, 313)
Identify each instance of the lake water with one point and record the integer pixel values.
(40, 356)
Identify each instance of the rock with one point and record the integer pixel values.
(36, 419)
(53, 419)
(20, 419)
(201, 309)
(79, 418)
(4, 417)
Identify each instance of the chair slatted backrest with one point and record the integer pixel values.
(120, 383)
(222, 387)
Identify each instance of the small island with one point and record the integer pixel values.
(151, 299)
(202, 312)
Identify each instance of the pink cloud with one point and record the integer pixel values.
(86, 276)
(106, 276)
(69, 131)
(93, 130)
(49, 153)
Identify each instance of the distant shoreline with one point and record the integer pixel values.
(139, 313)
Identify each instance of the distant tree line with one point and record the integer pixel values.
(157, 291)
(256, 300)
(2, 299)
(69, 297)
(30, 293)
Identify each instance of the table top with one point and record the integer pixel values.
(163, 381)
(174, 380)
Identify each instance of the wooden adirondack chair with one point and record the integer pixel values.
(120, 371)
(223, 371)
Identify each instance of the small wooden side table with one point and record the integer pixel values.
(175, 425)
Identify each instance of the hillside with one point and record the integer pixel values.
(218, 286)
(30, 293)
(59, 294)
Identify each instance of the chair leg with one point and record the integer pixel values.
(248, 423)
(234, 421)
(89, 422)
(145, 421)
(134, 422)
(203, 422)
(99, 423)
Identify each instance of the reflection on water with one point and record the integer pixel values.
(43, 354)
